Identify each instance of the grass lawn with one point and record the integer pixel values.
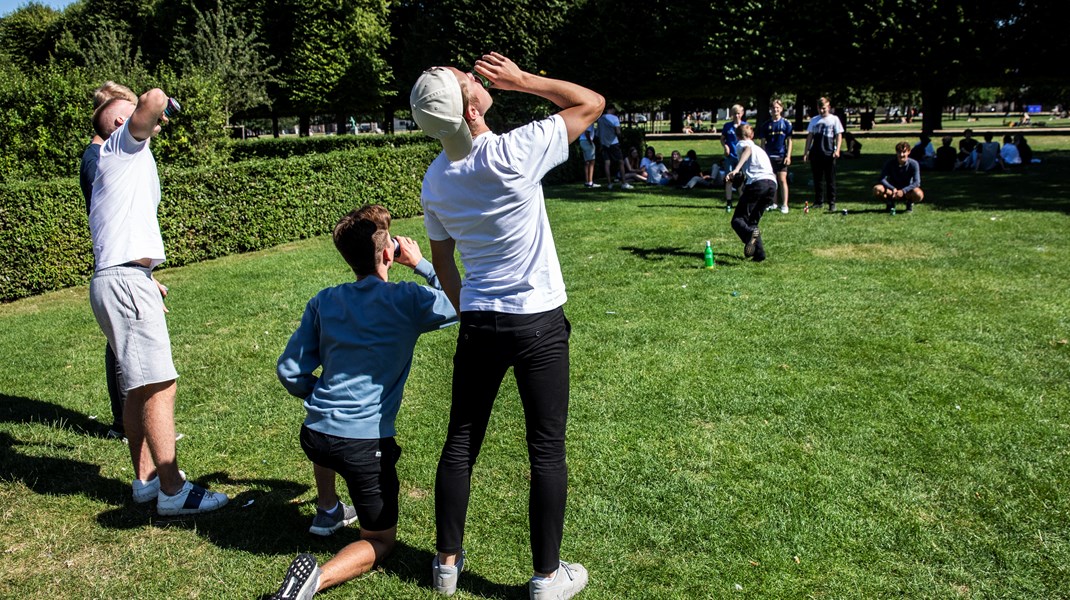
(881, 409)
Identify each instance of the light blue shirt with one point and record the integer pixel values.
(363, 334)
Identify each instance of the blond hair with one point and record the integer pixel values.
(110, 90)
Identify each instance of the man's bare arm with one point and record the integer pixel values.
(580, 105)
(442, 258)
(145, 122)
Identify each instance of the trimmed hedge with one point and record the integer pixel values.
(207, 212)
(284, 147)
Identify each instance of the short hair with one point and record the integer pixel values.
(658, 157)
(968, 131)
(988, 136)
(745, 131)
(361, 236)
(110, 90)
(902, 146)
(777, 102)
(104, 116)
(823, 100)
(946, 140)
(737, 107)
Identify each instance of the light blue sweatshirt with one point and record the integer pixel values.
(363, 334)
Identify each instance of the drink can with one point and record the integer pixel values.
(172, 108)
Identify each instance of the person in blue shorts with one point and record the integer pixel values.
(362, 334)
(776, 141)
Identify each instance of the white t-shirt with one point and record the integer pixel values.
(656, 172)
(757, 167)
(491, 204)
(825, 129)
(126, 193)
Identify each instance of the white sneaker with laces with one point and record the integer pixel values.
(569, 579)
(626, 186)
(784, 209)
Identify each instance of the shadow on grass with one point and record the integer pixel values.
(19, 409)
(48, 475)
(413, 565)
(694, 258)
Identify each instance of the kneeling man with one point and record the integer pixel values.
(900, 180)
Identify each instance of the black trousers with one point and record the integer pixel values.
(536, 346)
(823, 168)
(752, 204)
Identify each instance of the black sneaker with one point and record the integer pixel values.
(759, 250)
(889, 207)
(755, 239)
(910, 207)
(302, 579)
(832, 207)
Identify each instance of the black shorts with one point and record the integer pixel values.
(612, 153)
(778, 164)
(369, 468)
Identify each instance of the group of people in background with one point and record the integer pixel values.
(972, 155)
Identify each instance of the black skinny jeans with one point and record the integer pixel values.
(536, 346)
(823, 168)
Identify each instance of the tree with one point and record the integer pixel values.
(28, 35)
(221, 47)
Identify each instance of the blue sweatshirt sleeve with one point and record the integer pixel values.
(427, 271)
(915, 176)
(301, 357)
(886, 174)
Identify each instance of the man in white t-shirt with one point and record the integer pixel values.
(482, 198)
(128, 304)
(823, 138)
(759, 192)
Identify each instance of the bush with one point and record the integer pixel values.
(284, 147)
(207, 212)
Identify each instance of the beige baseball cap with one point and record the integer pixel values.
(438, 108)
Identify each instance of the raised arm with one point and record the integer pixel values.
(580, 106)
(145, 122)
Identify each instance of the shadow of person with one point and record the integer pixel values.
(19, 409)
(48, 475)
(264, 518)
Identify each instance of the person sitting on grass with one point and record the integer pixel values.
(988, 156)
(657, 172)
(946, 156)
(362, 334)
(900, 180)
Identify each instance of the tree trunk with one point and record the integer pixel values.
(340, 123)
(274, 125)
(765, 98)
(306, 123)
(676, 116)
(388, 119)
(933, 99)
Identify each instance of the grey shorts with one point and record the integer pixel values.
(129, 309)
(587, 149)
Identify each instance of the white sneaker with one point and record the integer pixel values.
(444, 579)
(146, 491)
(610, 186)
(567, 582)
(771, 207)
(784, 209)
(190, 500)
(626, 186)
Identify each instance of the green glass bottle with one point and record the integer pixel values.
(708, 255)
